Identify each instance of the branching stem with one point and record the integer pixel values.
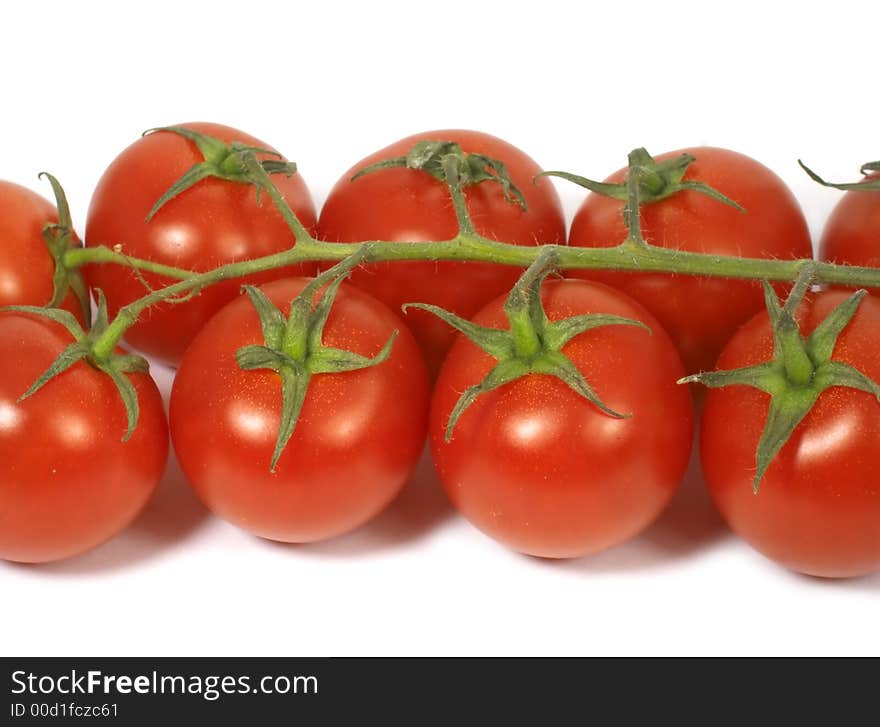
(633, 254)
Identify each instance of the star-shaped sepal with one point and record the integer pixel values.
(60, 237)
(655, 180)
(221, 160)
(114, 364)
(532, 344)
(799, 371)
(449, 163)
(293, 346)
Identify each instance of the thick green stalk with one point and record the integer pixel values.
(129, 314)
(631, 255)
(264, 181)
(79, 256)
(474, 248)
(459, 204)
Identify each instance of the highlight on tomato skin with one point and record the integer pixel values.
(410, 205)
(817, 509)
(68, 482)
(699, 313)
(543, 471)
(358, 438)
(212, 223)
(26, 266)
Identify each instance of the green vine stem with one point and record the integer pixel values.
(77, 257)
(633, 254)
(475, 248)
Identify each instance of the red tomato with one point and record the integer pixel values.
(210, 224)
(359, 434)
(701, 313)
(542, 470)
(408, 205)
(26, 266)
(817, 510)
(67, 481)
(852, 233)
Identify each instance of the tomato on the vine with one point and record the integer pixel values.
(26, 266)
(852, 233)
(67, 480)
(817, 509)
(408, 205)
(700, 313)
(358, 437)
(540, 469)
(210, 224)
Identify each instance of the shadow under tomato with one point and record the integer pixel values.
(172, 516)
(420, 508)
(689, 525)
(867, 584)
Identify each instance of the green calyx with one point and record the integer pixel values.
(222, 161)
(294, 348)
(449, 163)
(531, 345)
(868, 184)
(800, 370)
(115, 365)
(59, 239)
(655, 180)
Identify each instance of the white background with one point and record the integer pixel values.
(576, 85)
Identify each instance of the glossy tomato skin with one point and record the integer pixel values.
(26, 266)
(359, 436)
(407, 205)
(852, 233)
(67, 481)
(701, 314)
(210, 224)
(817, 510)
(545, 472)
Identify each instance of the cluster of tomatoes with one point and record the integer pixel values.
(531, 463)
